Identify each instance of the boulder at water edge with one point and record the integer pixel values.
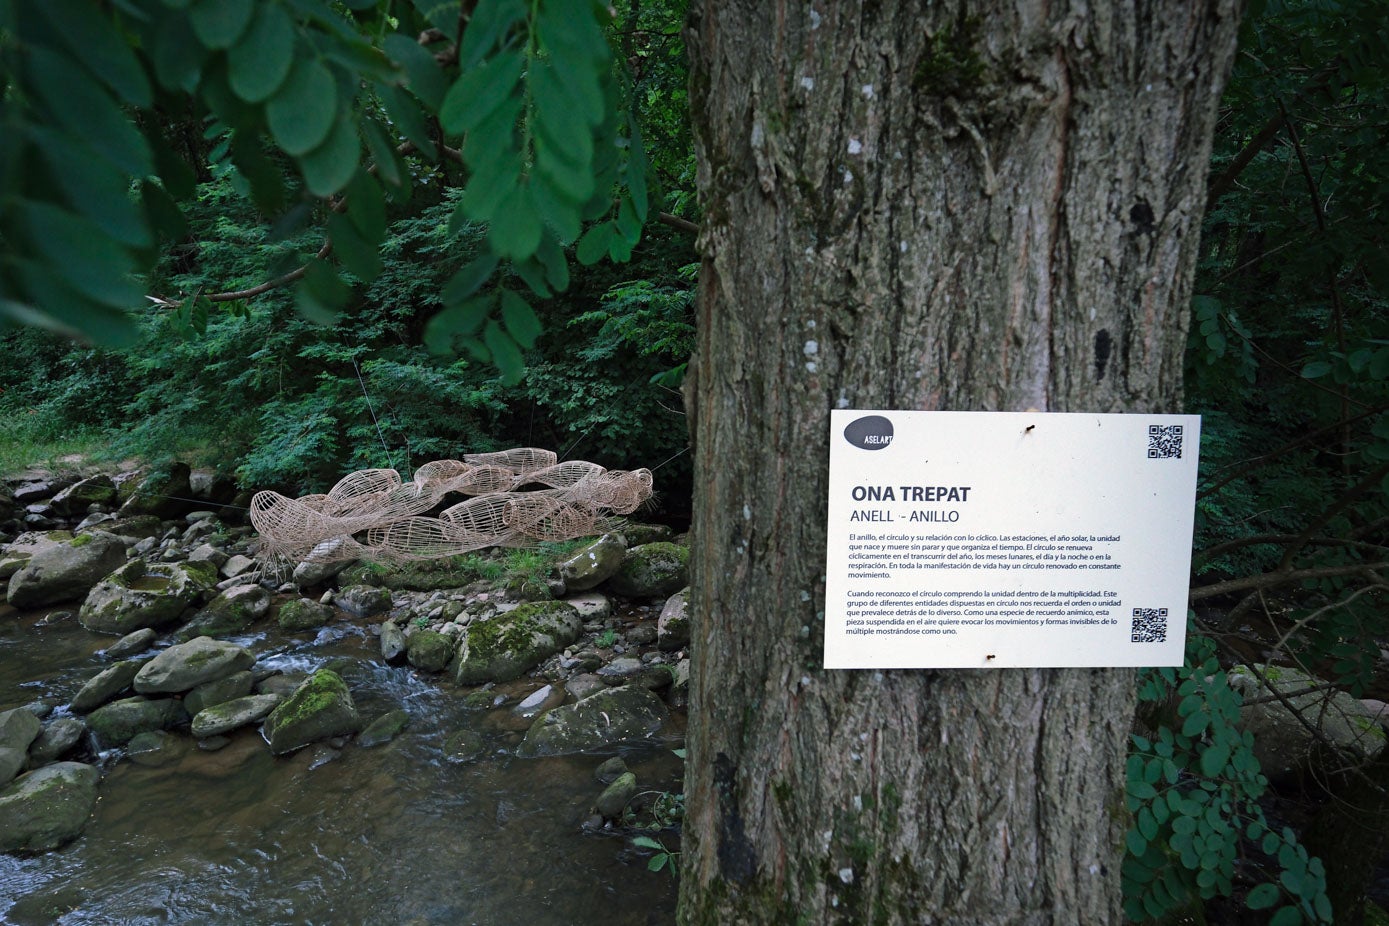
(652, 570)
(1282, 743)
(673, 628)
(47, 808)
(320, 708)
(119, 722)
(236, 685)
(17, 554)
(105, 685)
(141, 594)
(185, 666)
(164, 493)
(66, 570)
(594, 564)
(78, 497)
(429, 651)
(602, 719)
(57, 739)
(302, 614)
(230, 612)
(18, 728)
(229, 715)
(501, 648)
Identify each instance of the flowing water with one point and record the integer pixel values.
(396, 834)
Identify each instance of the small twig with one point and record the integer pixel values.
(1281, 577)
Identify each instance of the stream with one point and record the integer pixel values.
(395, 834)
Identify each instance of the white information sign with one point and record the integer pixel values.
(993, 539)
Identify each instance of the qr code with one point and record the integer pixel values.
(1149, 625)
(1164, 442)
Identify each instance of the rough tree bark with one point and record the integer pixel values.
(918, 206)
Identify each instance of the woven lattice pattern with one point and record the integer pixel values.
(517, 498)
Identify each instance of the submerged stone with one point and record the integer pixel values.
(185, 666)
(119, 722)
(602, 719)
(48, 807)
(105, 685)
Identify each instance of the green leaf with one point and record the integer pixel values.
(219, 23)
(520, 319)
(330, 166)
(556, 264)
(505, 354)
(267, 184)
(426, 81)
(261, 61)
(1214, 758)
(488, 190)
(594, 244)
(646, 842)
(87, 111)
(67, 311)
(574, 183)
(1316, 369)
(478, 93)
(469, 279)
(366, 207)
(628, 225)
(408, 119)
(458, 322)
(1287, 916)
(491, 21)
(321, 294)
(515, 229)
(558, 213)
(305, 110)
(87, 260)
(162, 212)
(358, 256)
(389, 166)
(531, 271)
(1195, 724)
(657, 862)
(94, 42)
(1136, 843)
(177, 55)
(558, 114)
(94, 187)
(1263, 896)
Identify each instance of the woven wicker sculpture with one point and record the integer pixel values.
(372, 515)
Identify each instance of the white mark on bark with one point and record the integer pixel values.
(825, 838)
(848, 178)
(902, 246)
(1093, 313)
(868, 91)
(1094, 869)
(858, 803)
(759, 135)
(843, 400)
(747, 513)
(814, 20)
(805, 595)
(855, 146)
(810, 367)
(811, 348)
(846, 875)
(808, 83)
(810, 323)
(805, 681)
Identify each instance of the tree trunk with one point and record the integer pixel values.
(917, 206)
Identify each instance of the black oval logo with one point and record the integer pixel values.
(872, 432)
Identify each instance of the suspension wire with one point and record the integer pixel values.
(670, 458)
(389, 458)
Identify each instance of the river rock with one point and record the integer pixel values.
(65, 571)
(603, 719)
(77, 498)
(464, 746)
(584, 684)
(392, 641)
(18, 552)
(594, 564)
(57, 739)
(591, 606)
(230, 612)
(137, 641)
(1282, 744)
(673, 627)
(383, 729)
(363, 600)
(229, 715)
(239, 566)
(638, 534)
(300, 614)
(429, 651)
(314, 571)
(185, 666)
(105, 685)
(48, 807)
(621, 670)
(320, 708)
(142, 594)
(610, 770)
(115, 724)
(506, 645)
(18, 728)
(219, 691)
(164, 493)
(616, 796)
(652, 570)
(207, 553)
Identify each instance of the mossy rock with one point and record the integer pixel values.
(185, 666)
(652, 570)
(603, 719)
(429, 651)
(230, 715)
(319, 709)
(64, 570)
(141, 594)
(594, 564)
(48, 807)
(383, 729)
(507, 645)
(419, 576)
(301, 614)
(115, 724)
(231, 612)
